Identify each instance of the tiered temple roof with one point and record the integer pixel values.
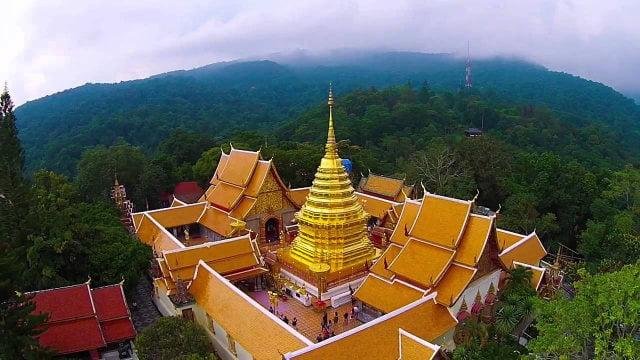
(237, 181)
(438, 246)
(83, 319)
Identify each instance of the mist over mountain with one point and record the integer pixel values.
(259, 94)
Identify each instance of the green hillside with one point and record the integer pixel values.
(220, 99)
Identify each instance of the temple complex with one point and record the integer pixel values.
(327, 272)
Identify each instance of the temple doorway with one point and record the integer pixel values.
(271, 233)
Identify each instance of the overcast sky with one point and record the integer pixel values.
(51, 45)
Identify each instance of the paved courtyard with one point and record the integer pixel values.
(309, 320)
(143, 310)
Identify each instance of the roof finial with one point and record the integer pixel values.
(330, 148)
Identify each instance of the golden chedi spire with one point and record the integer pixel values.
(332, 223)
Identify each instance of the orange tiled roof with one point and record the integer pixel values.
(151, 233)
(407, 217)
(225, 257)
(137, 219)
(259, 332)
(385, 295)
(507, 238)
(378, 339)
(474, 239)
(257, 179)
(382, 185)
(414, 348)
(421, 262)
(299, 195)
(218, 221)
(441, 220)
(529, 251)
(225, 196)
(243, 208)
(453, 283)
(222, 162)
(238, 180)
(178, 215)
(375, 206)
(389, 255)
(239, 167)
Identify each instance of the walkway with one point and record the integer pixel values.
(143, 310)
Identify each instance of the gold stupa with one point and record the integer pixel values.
(332, 234)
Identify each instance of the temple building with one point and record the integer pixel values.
(249, 188)
(394, 275)
(84, 322)
(385, 187)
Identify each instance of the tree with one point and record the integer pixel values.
(17, 325)
(441, 172)
(205, 166)
(71, 239)
(612, 237)
(602, 321)
(173, 338)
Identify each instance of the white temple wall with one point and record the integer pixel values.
(482, 284)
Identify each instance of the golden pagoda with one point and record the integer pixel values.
(332, 234)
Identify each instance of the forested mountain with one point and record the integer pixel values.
(222, 98)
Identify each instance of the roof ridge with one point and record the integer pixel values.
(517, 243)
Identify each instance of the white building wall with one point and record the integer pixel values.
(482, 284)
(164, 304)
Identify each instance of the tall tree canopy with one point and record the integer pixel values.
(602, 321)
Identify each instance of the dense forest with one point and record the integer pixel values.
(222, 98)
(558, 155)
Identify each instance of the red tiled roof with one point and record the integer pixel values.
(72, 336)
(113, 313)
(81, 319)
(65, 303)
(188, 191)
(118, 330)
(109, 302)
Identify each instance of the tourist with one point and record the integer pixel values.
(286, 320)
(294, 323)
(346, 318)
(324, 319)
(335, 318)
(333, 333)
(319, 337)
(271, 309)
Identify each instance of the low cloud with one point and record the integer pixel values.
(49, 46)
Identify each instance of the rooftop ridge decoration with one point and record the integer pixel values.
(332, 222)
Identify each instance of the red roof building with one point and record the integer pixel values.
(83, 320)
(188, 192)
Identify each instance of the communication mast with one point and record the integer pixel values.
(468, 80)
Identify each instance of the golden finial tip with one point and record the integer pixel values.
(330, 102)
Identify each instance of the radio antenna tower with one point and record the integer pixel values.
(468, 80)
